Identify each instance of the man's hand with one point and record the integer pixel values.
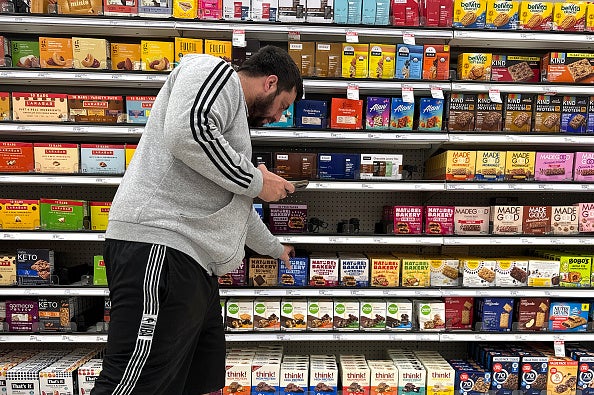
(274, 188)
(289, 252)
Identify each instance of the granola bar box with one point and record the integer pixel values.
(323, 270)
(518, 112)
(372, 314)
(489, 114)
(439, 220)
(34, 266)
(519, 165)
(547, 113)
(586, 217)
(536, 220)
(16, 157)
(495, 314)
(564, 220)
(553, 166)
(63, 214)
(346, 314)
(377, 115)
(562, 376)
(408, 219)
(237, 277)
(462, 112)
(471, 220)
(584, 166)
(385, 270)
(490, 165)
(262, 271)
(506, 220)
(574, 114)
(297, 275)
(477, 272)
(444, 272)
(568, 316)
(288, 218)
(399, 314)
(415, 271)
(533, 314)
(19, 214)
(22, 315)
(574, 270)
(504, 371)
(512, 272)
(510, 68)
(459, 312)
(534, 367)
(354, 270)
(430, 114)
(568, 67)
(430, 315)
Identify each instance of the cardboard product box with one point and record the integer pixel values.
(39, 107)
(519, 165)
(236, 277)
(54, 314)
(570, 16)
(536, 220)
(553, 166)
(346, 114)
(295, 165)
(408, 219)
(430, 316)
(377, 114)
(185, 9)
(565, 316)
(381, 167)
(56, 158)
(409, 62)
(297, 276)
(496, 314)
(210, 9)
(99, 273)
(411, 374)
(502, 14)
(584, 166)
(34, 266)
(63, 214)
(384, 376)
(238, 374)
(138, 108)
(376, 12)
(373, 314)
(511, 272)
(74, 7)
(311, 114)
(266, 314)
(102, 159)
(16, 157)
(152, 9)
(323, 379)
(130, 149)
(574, 114)
(236, 10)
(287, 119)
(590, 17)
(405, 13)
(471, 220)
(547, 113)
(346, 314)
(333, 166)
(382, 61)
(454, 165)
(120, 8)
(385, 270)
(439, 220)
(430, 114)
(185, 46)
(355, 60)
(156, 55)
(8, 273)
(590, 122)
(478, 272)
(462, 112)
(240, 313)
(265, 158)
(470, 13)
(87, 374)
(341, 11)
(96, 109)
(474, 66)
(265, 375)
(293, 314)
(401, 114)
(262, 271)
(438, 13)
(490, 165)
(90, 53)
(319, 11)
(354, 270)
(586, 217)
(459, 312)
(320, 312)
(562, 375)
(536, 15)
(444, 272)
(505, 372)
(25, 54)
(568, 67)
(55, 53)
(399, 314)
(265, 10)
(564, 220)
(5, 114)
(354, 12)
(22, 315)
(328, 59)
(303, 54)
(291, 11)
(574, 270)
(125, 56)
(19, 214)
(5, 54)
(543, 273)
(518, 112)
(323, 270)
(533, 314)
(436, 62)
(508, 68)
(506, 220)
(415, 271)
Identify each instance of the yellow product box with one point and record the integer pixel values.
(7, 269)
(590, 17)
(99, 215)
(416, 272)
(503, 14)
(452, 165)
(490, 165)
(382, 61)
(185, 46)
(90, 53)
(519, 165)
(219, 48)
(570, 16)
(470, 13)
(80, 7)
(19, 214)
(474, 66)
(574, 270)
(125, 56)
(385, 270)
(5, 106)
(55, 53)
(130, 150)
(563, 371)
(355, 62)
(536, 15)
(185, 9)
(156, 55)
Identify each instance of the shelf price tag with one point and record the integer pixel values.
(353, 91)
(408, 94)
(549, 91)
(294, 35)
(559, 346)
(239, 38)
(352, 36)
(436, 92)
(409, 38)
(495, 96)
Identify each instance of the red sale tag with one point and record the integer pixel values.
(352, 36)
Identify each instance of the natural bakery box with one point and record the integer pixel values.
(130, 150)
(90, 53)
(439, 220)
(16, 157)
(96, 109)
(323, 270)
(385, 270)
(547, 113)
(36, 107)
(470, 14)
(502, 14)
(125, 56)
(407, 219)
(237, 277)
(574, 114)
(568, 67)
(5, 114)
(536, 15)
(55, 53)
(495, 314)
(56, 158)
(19, 214)
(568, 316)
(63, 214)
(297, 275)
(478, 272)
(353, 269)
(262, 271)
(415, 271)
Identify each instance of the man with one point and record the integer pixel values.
(182, 216)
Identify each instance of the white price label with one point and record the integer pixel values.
(336, 239)
(353, 91)
(352, 36)
(117, 76)
(589, 37)
(294, 35)
(408, 94)
(81, 76)
(436, 92)
(549, 91)
(101, 236)
(3, 74)
(559, 346)
(239, 38)
(495, 96)
(409, 38)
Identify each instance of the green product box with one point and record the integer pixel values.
(574, 270)
(99, 274)
(25, 54)
(63, 214)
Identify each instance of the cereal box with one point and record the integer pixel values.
(5, 114)
(377, 115)
(263, 271)
(496, 314)
(8, 272)
(547, 113)
(329, 60)
(156, 55)
(474, 66)
(16, 157)
(55, 53)
(382, 61)
(56, 157)
(409, 62)
(25, 54)
(96, 109)
(99, 215)
(311, 114)
(568, 67)
(439, 220)
(444, 272)
(502, 14)
(536, 220)
(490, 165)
(506, 220)
(536, 15)
(125, 56)
(236, 277)
(401, 115)
(399, 314)
(63, 214)
(240, 313)
(185, 46)
(408, 219)
(543, 273)
(35, 107)
(130, 149)
(303, 54)
(436, 62)
(346, 114)
(462, 112)
(564, 220)
(459, 312)
(139, 108)
(553, 166)
(533, 314)
(470, 13)
(323, 270)
(236, 10)
(288, 218)
(478, 272)
(471, 220)
(120, 8)
(570, 16)
(34, 266)
(21, 315)
(405, 13)
(354, 270)
(266, 314)
(584, 166)
(264, 10)
(430, 114)
(430, 316)
(381, 167)
(519, 165)
(320, 312)
(372, 314)
(513, 68)
(90, 53)
(574, 114)
(354, 60)
(415, 272)
(586, 217)
(346, 314)
(518, 112)
(511, 272)
(385, 270)
(185, 9)
(574, 270)
(19, 214)
(488, 114)
(568, 316)
(297, 275)
(293, 314)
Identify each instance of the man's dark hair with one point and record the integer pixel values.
(272, 60)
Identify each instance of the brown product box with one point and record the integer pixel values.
(185, 9)
(5, 58)
(90, 53)
(462, 112)
(303, 54)
(55, 53)
(436, 62)
(506, 220)
(488, 114)
(328, 60)
(518, 112)
(568, 67)
(346, 113)
(519, 165)
(508, 68)
(262, 271)
(295, 165)
(35, 107)
(5, 114)
(459, 312)
(8, 269)
(382, 61)
(185, 46)
(120, 7)
(156, 55)
(16, 157)
(125, 56)
(547, 113)
(537, 220)
(56, 158)
(533, 314)
(80, 7)
(385, 270)
(96, 109)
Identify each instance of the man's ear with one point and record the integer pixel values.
(270, 83)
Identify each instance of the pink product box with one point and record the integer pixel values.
(408, 220)
(439, 220)
(553, 166)
(586, 217)
(584, 166)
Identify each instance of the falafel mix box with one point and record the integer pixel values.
(34, 266)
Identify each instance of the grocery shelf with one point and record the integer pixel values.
(376, 186)
(517, 87)
(518, 240)
(534, 139)
(82, 78)
(521, 39)
(34, 179)
(514, 337)
(52, 338)
(69, 130)
(54, 291)
(49, 236)
(520, 186)
(356, 239)
(331, 336)
(384, 87)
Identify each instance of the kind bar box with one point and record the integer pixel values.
(385, 270)
(266, 314)
(377, 115)
(565, 316)
(90, 53)
(96, 109)
(564, 220)
(488, 114)
(471, 220)
(311, 114)
(459, 312)
(5, 114)
(354, 270)
(16, 157)
(338, 166)
(236, 277)
(293, 314)
(496, 314)
(430, 114)
(408, 219)
(346, 314)
(373, 314)
(297, 275)
(125, 56)
(439, 220)
(478, 272)
(584, 166)
(490, 165)
(381, 167)
(543, 273)
(382, 61)
(102, 159)
(319, 314)
(409, 62)
(239, 313)
(436, 62)
(22, 315)
(536, 220)
(536, 15)
(533, 314)
(506, 220)
(8, 272)
(34, 266)
(56, 158)
(586, 217)
(346, 114)
(462, 112)
(519, 165)
(474, 66)
(570, 16)
(328, 58)
(303, 54)
(502, 14)
(511, 272)
(470, 13)
(401, 114)
(156, 55)
(510, 68)
(445, 272)
(35, 107)
(415, 272)
(547, 113)
(574, 114)
(568, 67)
(354, 60)
(323, 270)
(19, 214)
(399, 313)
(63, 214)
(55, 53)
(553, 166)
(99, 215)
(25, 54)
(138, 108)
(262, 271)
(288, 218)
(518, 112)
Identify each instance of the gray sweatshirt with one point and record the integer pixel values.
(191, 183)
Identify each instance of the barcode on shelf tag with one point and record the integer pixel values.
(408, 94)
(353, 91)
(549, 91)
(239, 38)
(495, 96)
(352, 36)
(409, 38)
(559, 346)
(436, 92)
(117, 76)
(589, 37)
(294, 35)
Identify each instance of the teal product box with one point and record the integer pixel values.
(341, 11)
(377, 114)
(286, 120)
(382, 12)
(496, 314)
(259, 209)
(297, 275)
(369, 12)
(34, 266)
(338, 166)
(401, 115)
(354, 12)
(102, 159)
(430, 114)
(409, 62)
(99, 274)
(63, 214)
(311, 114)
(138, 108)
(568, 316)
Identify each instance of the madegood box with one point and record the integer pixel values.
(239, 313)
(436, 62)
(139, 108)
(510, 68)
(346, 314)
(96, 109)
(502, 14)
(439, 220)
(333, 166)
(19, 214)
(470, 13)
(35, 107)
(478, 272)
(346, 113)
(295, 165)
(401, 114)
(415, 271)
(474, 66)
(399, 313)
(297, 275)
(536, 15)
(409, 62)
(536, 220)
(574, 114)
(5, 114)
(320, 312)
(262, 271)
(488, 114)
(8, 271)
(377, 115)
(354, 270)
(533, 314)
(543, 273)
(568, 316)
(496, 314)
(382, 61)
(518, 112)
(459, 312)
(511, 272)
(586, 217)
(462, 111)
(102, 159)
(323, 270)
(519, 165)
(311, 114)
(56, 158)
(354, 60)
(385, 270)
(16, 157)
(445, 272)
(55, 53)
(564, 220)
(408, 219)
(99, 214)
(547, 113)
(125, 56)
(506, 220)
(34, 266)
(471, 220)
(63, 214)
(293, 314)
(156, 55)
(584, 166)
(570, 16)
(25, 54)
(452, 165)
(568, 67)
(430, 114)
(381, 167)
(553, 166)
(490, 165)
(328, 59)
(90, 53)
(120, 7)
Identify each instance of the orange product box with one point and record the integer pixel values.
(130, 150)
(568, 67)
(96, 109)
(90, 53)
(185, 46)
(536, 15)
(120, 7)
(35, 107)
(19, 214)
(563, 373)
(570, 16)
(156, 55)
(385, 270)
(436, 62)
(590, 17)
(4, 106)
(80, 7)
(346, 114)
(185, 9)
(354, 60)
(16, 157)
(219, 48)
(55, 53)
(125, 56)
(382, 61)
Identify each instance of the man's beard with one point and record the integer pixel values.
(259, 109)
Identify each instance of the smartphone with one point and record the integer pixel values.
(301, 184)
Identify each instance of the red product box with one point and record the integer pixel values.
(437, 13)
(459, 312)
(346, 114)
(405, 13)
(439, 220)
(408, 220)
(16, 157)
(235, 278)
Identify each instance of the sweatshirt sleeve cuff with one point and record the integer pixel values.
(256, 185)
(278, 251)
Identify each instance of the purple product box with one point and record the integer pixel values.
(288, 218)
(574, 114)
(21, 315)
(401, 114)
(338, 166)
(496, 314)
(584, 166)
(311, 114)
(553, 166)
(430, 114)
(235, 278)
(377, 115)
(297, 275)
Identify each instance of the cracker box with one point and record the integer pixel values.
(436, 62)
(478, 272)
(430, 317)
(262, 271)
(16, 157)
(415, 272)
(490, 165)
(130, 149)
(56, 158)
(264, 10)
(574, 114)
(34, 266)
(99, 214)
(35, 107)
(210, 9)
(8, 273)
(125, 56)
(295, 165)
(328, 59)
(63, 214)
(408, 219)
(474, 66)
(586, 217)
(319, 11)
(303, 54)
(382, 61)
(536, 220)
(96, 109)
(239, 313)
(536, 15)
(333, 166)
(438, 13)
(152, 9)
(102, 159)
(547, 113)
(377, 115)
(553, 166)
(385, 270)
(185, 46)
(25, 54)
(511, 272)
(488, 114)
(99, 272)
(236, 10)
(496, 314)
(156, 55)
(288, 218)
(439, 220)
(471, 220)
(320, 312)
(533, 314)
(291, 11)
(120, 7)
(19, 214)
(401, 114)
(311, 114)
(266, 314)
(323, 270)
(138, 108)
(381, 167)
(506, 220)
(354, 60)
(462, 112)
(543, 273)
(519, 165)
(297, 275)
(372, 314)
(470, 13)
(405, 13)
(568, 67)
(458, 312)
(354, 270)
(346, 314)
(409, 62)
(293, 314)
(55, 53)
(430, 114)
(236, 277)
(574, 270)
(584, 166)
(565, 316)
(346, 114)
(399, 313)
(444, 272)
(564, 220)
(518, 112)
(90, 53)
(22, 315)
(185, 9)
(502, 14)
(508, 68)
(5, 114)
(570, 16)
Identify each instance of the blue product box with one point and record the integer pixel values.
(590, 127)
(382, 12)
(259, 209)
(286, 119)
(531, 367)
(102, 158)
(311, 114)
(296, 276)
(138, 108)
(369, 12)
(505, 369)
(496, 314)
(467, 376)
(354, 12)
(585, 378)
(409, 62)
(338, 166)
(574, 114)
(430, 114)
(341, 11)
(568, 316)
(401, 115)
